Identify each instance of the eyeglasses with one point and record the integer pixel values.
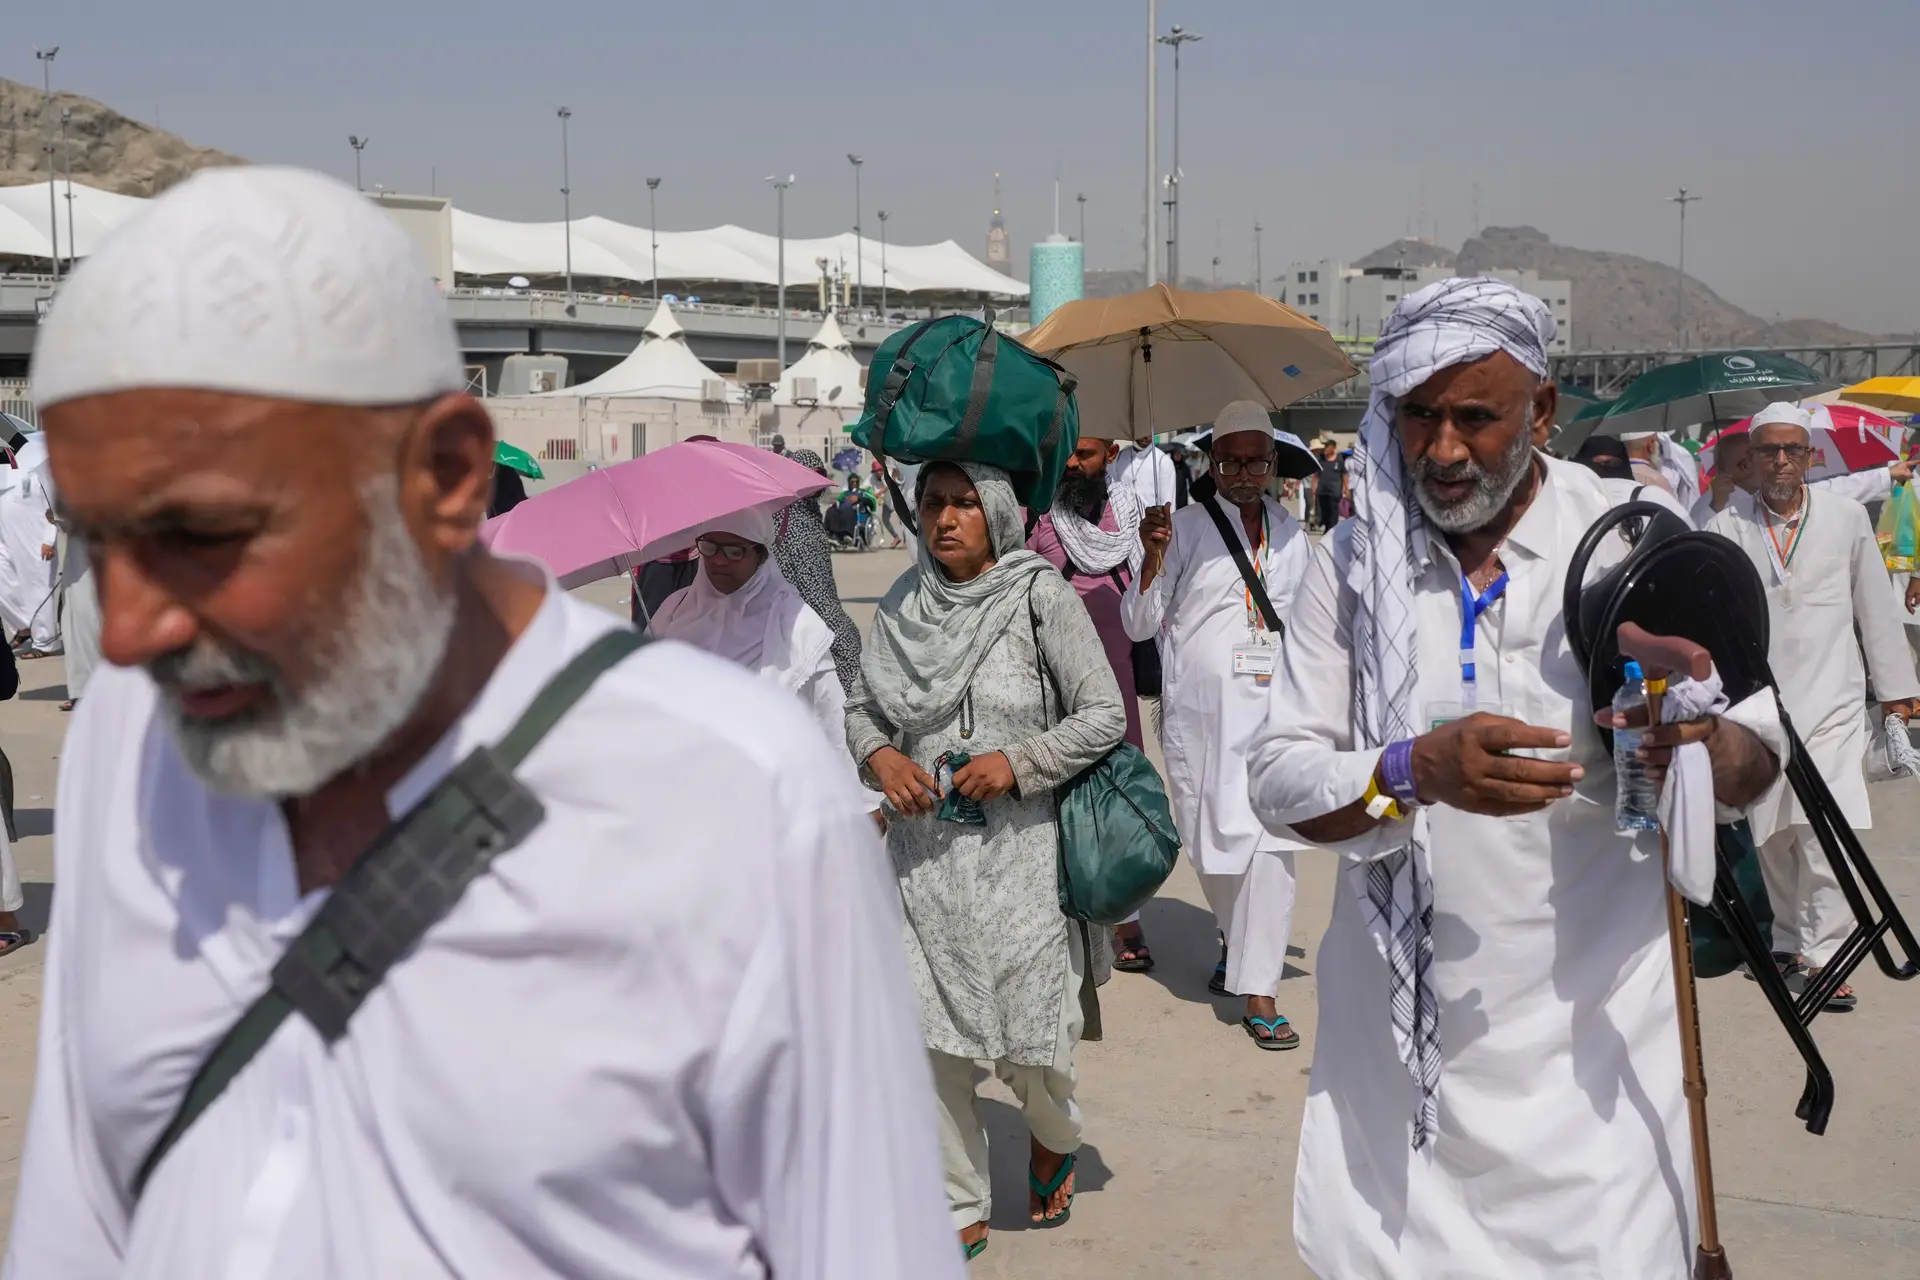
(721, 550)
(1771, 452)
(1229, 468)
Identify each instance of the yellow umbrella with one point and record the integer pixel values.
(1166, 359)
(1900, 395)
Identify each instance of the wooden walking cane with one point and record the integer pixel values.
(1659, 657)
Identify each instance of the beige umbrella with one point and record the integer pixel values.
(1165, 359)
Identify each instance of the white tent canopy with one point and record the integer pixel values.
(830, 364)
(660, 368)
(602, 248)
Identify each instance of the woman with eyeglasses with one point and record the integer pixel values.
(742, 608)
(1218, 652)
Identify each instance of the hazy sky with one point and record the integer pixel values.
(1342, 126)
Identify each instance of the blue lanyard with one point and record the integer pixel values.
(1471, 607)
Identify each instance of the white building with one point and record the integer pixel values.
(1353, 302)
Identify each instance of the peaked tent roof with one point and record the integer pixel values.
(660, 368)
(831, 363)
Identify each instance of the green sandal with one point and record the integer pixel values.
(1046, 1189)
(975, 1249)
(1273, 1026)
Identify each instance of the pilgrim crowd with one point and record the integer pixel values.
(765, 893)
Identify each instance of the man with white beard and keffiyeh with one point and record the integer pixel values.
(1497, 1087)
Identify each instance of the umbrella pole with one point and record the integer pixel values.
(1709, 1259)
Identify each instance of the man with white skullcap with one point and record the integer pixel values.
(379, 949)
(1733, 473)
(1216, 585)
(1834, 620)
(1496, 1086)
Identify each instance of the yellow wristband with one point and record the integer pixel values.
(1378, 803)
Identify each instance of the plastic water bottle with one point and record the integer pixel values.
(1636, 804)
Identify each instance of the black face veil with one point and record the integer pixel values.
(1677, 581)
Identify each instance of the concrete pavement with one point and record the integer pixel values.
(1191, 1130)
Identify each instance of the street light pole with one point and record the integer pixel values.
(1153, 151)
(66, 145)
(780, 186)
(566, 195)
(1259, 276)
(653, 231)
(46, 57)
(358, 144)
(1680, 323)
(1179, 36)
(1082, 198)
(882, 215)
(859, 254)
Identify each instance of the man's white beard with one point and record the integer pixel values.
(1491, 489)
(373, 671)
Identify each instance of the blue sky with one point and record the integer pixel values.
(1342, 126)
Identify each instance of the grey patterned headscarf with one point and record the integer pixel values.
(931, 632)
(1440, 326)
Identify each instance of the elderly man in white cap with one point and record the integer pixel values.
(1834, 620)
(380, 950)
(1734, 473)
(1496, 1086)
(1216, 583)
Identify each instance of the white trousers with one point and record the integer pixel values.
(1810, 914)
(1255, 914)
(11, 897)
(1046, 1104)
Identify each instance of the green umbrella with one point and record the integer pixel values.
(1575, 399)
(515, 459)
(1574, 428)
(1716, 388)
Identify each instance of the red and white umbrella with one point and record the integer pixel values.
(1846, 438)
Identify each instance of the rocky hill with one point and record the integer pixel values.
(1620, 302)
(109, 150)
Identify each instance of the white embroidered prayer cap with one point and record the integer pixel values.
(257, 281)
(1782, 411)
(1242, 415)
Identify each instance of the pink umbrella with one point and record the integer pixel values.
(613, 519)
(1846, 438)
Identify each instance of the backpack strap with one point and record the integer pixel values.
(980, 390)
(404, 884)
(897, 380)
(1255, 586)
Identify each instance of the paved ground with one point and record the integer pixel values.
(1191, 1130)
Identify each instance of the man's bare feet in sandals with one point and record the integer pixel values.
(1044, 1173)
(12, 935)
(973, 1239)
(1130, 954)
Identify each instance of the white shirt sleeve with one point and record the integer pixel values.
(1301, 765)
(824, 696)
(823, 1131)
(1143, 612)
(1862, 486)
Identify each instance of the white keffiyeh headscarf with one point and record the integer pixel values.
(1442, 325)
(1095, 551)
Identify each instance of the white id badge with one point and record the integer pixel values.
(1444, 713)
(1254, 659)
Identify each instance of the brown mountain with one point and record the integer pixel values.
(1620, 302)
(109, 150)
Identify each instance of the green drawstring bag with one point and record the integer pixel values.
(955, 807)
(1899, 530)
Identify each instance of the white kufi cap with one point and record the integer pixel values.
(1782, 411)
(257, 281)
(1242, 415)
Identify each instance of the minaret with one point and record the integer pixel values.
(998, 256)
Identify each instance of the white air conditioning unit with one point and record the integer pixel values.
(806, 390)
(713, 390)
(759, 372)
(540, 381)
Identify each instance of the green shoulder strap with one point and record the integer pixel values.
(404, 884)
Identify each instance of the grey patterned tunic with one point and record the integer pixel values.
(986, 942)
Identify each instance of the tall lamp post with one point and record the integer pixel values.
(1177, 37)
(1259, 276)
(1153, 153)
(859, 254)
(653, 231)
(566, 195)
(1680, 323)
(66, 145)
(358, 144)
(780, 186)
(1082, 198)
(46, 57)
(882, 215)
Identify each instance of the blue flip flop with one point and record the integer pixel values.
(1271, 1041)
(1046, 1189)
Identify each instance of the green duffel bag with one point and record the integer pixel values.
(957, 390)
(1118, 842)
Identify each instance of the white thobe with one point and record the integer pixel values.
(1148, 472)
(28, 582)
(670, 1035)
(1562, 1147)
(1198, 607)
(1873, 485)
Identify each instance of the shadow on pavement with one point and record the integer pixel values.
(32, 822)
(1186, 945)
(38, 908)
